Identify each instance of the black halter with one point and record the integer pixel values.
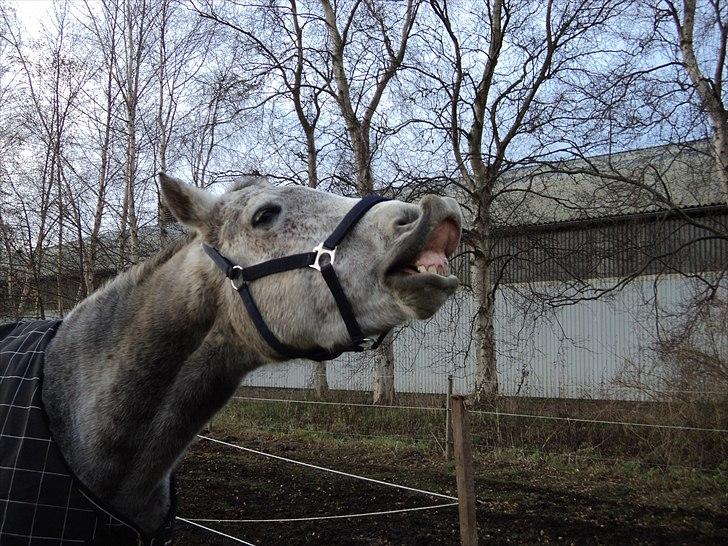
(245, 275)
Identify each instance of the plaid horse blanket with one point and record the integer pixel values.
(42, 503)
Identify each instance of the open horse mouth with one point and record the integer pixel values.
(419, 264)
(434, 256)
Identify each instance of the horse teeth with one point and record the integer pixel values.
(421, 269)
(432, 269)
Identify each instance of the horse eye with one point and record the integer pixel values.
(266, 215)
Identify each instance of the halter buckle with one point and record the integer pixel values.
(232, 279)
(321, 251)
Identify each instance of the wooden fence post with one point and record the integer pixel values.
(464, 473)
(448, 420)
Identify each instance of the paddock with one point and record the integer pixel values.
(325, 473)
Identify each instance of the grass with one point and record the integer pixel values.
(264, 425)
(564, 441)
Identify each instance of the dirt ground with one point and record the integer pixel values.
(519, 501)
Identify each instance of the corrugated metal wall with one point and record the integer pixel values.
(576, 351)
(611, 247)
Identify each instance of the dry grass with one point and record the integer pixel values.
(567, 440)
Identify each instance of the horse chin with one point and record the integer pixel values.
(422, 293)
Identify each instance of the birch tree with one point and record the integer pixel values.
(659, 86)
(331, 61)
(49, 79)
(701, 38)
(284, 53)
(488, 83)
(101, 23)
(367, 37)
(137, 20)
(183, 47)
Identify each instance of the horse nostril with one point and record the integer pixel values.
(406, 218)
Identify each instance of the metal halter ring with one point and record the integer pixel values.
(232, 280)
(321, 251)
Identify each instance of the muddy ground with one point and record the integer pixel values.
(520, 501)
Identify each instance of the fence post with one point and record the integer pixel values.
(448, 420)
(464, 473)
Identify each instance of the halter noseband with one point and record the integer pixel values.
(245, 275)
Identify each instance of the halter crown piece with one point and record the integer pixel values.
(240, 277)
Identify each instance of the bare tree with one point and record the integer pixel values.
(101, 23)
(284, 78)
(284, 52)
(165, 114)
(368, 33)
(495, 75)
(712, 19)
(51, 86)
(652, 90)
(137, 20)
(106, 92)
(183, 47)
(661, 86)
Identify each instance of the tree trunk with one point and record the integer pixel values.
(709, 90)
(59, 253)
(130, 175)
(720, 149)
(320, 382)
(135, 32)
(362, 155)
(358, 124)
(23, 297)
(90, 265)
(384, 373)
(122, 231)
(486, 376)
(164, 215)
(90, 255)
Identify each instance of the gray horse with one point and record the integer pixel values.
(137, 368)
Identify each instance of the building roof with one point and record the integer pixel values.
(108, 259)
(632, 182)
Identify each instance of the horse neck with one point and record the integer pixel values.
(135, 371)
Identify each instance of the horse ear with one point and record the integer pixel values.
(190, 205)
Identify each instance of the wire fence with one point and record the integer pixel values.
(324, 518)
(214, 531)
(497, 414)
(198, 522)
(668, 436)
(433, 411)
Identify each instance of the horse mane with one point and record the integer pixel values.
(247, 181)
(138, 272)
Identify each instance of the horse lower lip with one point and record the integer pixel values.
(412, 283)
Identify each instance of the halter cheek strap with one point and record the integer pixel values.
(240, 278)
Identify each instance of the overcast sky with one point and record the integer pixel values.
(32, 12)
